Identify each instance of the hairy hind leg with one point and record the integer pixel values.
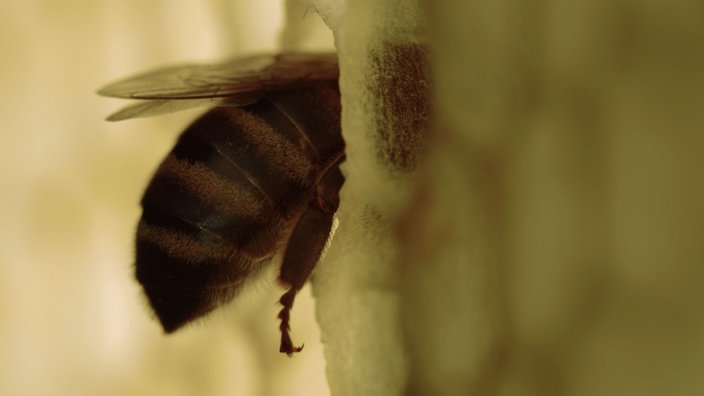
(302, 254)
(305, 247)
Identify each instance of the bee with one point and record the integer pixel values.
(254, 177)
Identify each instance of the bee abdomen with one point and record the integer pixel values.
(180, 286)
(315, 110)
(217, 208)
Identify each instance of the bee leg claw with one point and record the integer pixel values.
(286, 343)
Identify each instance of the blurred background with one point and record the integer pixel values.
(559, 236)
(73, 320)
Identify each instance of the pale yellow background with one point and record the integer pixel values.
(72, 319)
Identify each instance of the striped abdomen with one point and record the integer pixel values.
(227, 197)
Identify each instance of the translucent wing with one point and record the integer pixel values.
(238, 82)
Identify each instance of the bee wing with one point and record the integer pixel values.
(150, 108)
(239, 82)
(235, 82)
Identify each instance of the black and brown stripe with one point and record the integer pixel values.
(231, 193)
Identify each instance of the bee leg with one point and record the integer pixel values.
(306, 245)
(286, 343)
(302, 254)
